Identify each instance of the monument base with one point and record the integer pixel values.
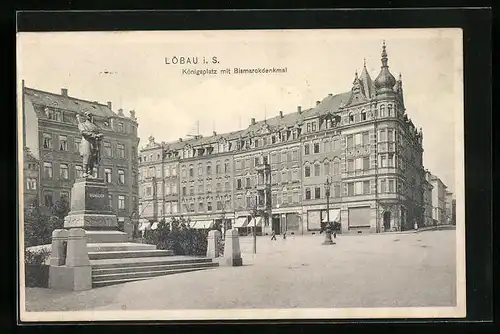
(70, 278)
(91, 221)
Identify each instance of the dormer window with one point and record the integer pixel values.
(119, 127)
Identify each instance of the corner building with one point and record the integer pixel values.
(362, 139)
(51, 143)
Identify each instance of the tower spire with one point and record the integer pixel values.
(384, 55)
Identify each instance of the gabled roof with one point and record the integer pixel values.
(67, 103)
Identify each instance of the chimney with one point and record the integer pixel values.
(281, 114)
(252, 121)
(180, 140)
(109, 105)
(120, 112)
(215, 133)
(64, 91)
(318, 102)
(330, 94)
(299, 109)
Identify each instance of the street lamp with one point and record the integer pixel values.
(328, 225)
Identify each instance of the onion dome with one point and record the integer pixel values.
(385, 81)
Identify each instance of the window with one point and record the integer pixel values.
(389, 110)
(308, 193)
(256, 161)
(336, 168)
(391, 186)
(47, 141)
(313, 126)
(350, 189)
(289, 156)
(226, 186)
(363, 115)
(121, 151)
(191, 190)
(121, 176)
(317, 192)
(358, 163)
(218, 187)
(327, 168)
(256, 143)
(78, 172)
(358, 139)
(174, 171)
(31, 184)
(350, 165)
(382, 186)
(47, 199)
(209, 170)
(219, 205)
(366, 163)
(351, 118)
(366, 187)
(295, 174)
(184, 191)
(350, 141)
(336, 190)
(316, 148)
(390, 135)
(120, 127)
(248, 182)
(200, 170)
(316, 170)
(47, 170)
(382, 135)
(383, 162)
(226, 167)
(390, 160)
(295, 155)
(265, 160)
(306, 149)
(209, 188)
(358, 188)
(238, 184)
(209, 206)
(64, 171)
(121, 202)
(307, 171)
(110, 201)
(382, 111)
(63, 143)
(107, 175)
(191, 171)
(167, 171)
(308, 127)
(201, 207)
(366, 139)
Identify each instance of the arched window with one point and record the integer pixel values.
(389, 110)
(351, 118)
(363, 115)
(382, 111)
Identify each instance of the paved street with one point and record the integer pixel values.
(387, 270)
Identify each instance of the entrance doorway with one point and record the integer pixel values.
(276, 224)
(387, 221)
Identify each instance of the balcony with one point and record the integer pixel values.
(263, 167)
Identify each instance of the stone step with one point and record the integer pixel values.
(94, 237)
(150, 272)
(136, 269)
(129, 254)
(119, 246)
(148, 261)
(96, 283)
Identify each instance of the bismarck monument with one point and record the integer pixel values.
(90, 208)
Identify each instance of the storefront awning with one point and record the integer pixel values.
(334, 216)
(258, 222)
(240, 222)
(202, 224)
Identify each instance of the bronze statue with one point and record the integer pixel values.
(90, 147)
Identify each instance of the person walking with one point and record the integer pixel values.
(273, 235)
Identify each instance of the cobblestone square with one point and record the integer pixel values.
(385, 270)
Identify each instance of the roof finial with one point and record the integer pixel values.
(400, 77)
(384, 55)
(364, 62)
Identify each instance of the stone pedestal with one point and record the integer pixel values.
(59, 246)
(90, 206)
(75, 272)
(213, 244)
(232, 253)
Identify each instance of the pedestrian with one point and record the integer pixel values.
(273, 235)
(284, 235)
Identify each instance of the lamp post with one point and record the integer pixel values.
(328, 225)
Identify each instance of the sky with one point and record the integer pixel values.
(168, 104)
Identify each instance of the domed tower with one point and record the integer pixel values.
(385, 81)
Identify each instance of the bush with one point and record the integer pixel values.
(181, 238)
(36, 271)
(37, 227)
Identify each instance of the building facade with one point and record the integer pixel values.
(362, 139)
(438, 201)
(31, 178)
(428, 220)
(450, 215)
(51, 135)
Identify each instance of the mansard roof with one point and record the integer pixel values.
(67, 103)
